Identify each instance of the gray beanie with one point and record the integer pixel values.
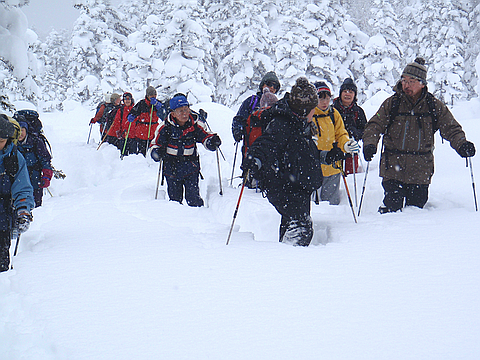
(303, 97)
(416, 70)
(151, 91)
(114, 97)
(7, 129)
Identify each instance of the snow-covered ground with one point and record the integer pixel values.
(108, 272)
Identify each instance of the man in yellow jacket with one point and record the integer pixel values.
(330, 130)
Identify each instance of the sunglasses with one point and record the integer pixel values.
(324, 95)
(271, 83)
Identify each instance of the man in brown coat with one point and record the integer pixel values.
(408, 121)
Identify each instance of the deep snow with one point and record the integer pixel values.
(108, 272)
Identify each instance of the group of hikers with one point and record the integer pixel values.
(25, 171)
(304, 139)
(295, 149)
(129, 126)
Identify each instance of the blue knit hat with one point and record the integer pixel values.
(23, 124)
(178, 102)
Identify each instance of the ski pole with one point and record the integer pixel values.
(354, 180)
(469, 162)
(160, 173)
(219, 172)
(203, 114)
(149, 127)
(88, 140)
(105, 136)
(125, 143)
(233, 167)
(316, 198)
(364, 185)
(238, 204)
(16, 249)
(348, 194)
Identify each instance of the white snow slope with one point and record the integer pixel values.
(108, 272)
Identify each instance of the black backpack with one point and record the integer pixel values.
(35, 126)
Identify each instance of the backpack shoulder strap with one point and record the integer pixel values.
(332, 115)
(10, 163)
(432, 110)
(393, 111)
(253, 101)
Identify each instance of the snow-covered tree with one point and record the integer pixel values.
(18, 67)
(98, 43)
(248, 52)
(382, 58)
(53, 58)
(338, 43)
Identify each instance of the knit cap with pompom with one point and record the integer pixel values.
(303, 97)
(416, 70)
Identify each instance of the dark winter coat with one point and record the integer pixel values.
(289, 156)
(103, 110)
(249, 105)
(20, 190)
(353, 117)
(408, 142)
(36, 157)
(178, 144)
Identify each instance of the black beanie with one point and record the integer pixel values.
(270, 76)
(7, 129)
(348, 84)
(303, 97)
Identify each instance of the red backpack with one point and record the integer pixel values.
(256, 125)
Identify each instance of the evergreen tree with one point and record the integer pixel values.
(18, 64)
(53, 56)
(98, 40)
(247, 55)
(382, 59)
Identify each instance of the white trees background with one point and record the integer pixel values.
(219, 49)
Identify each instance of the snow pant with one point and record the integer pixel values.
(183, 175)
(330, 190)
(348, 165)
(296, 226)
(396, 193)
(130, 148)
(37, 196)
(4, 250)
(142, 146)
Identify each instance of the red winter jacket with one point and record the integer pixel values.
(146, 120)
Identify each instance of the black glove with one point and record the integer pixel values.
(214, 142)
(238, 135)
(157, 154)
(467, 149)
(368, 152)
(203, 114)
(251, 164)
(23, 220)
(334, 155)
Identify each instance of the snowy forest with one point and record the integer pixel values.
(218, 50)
